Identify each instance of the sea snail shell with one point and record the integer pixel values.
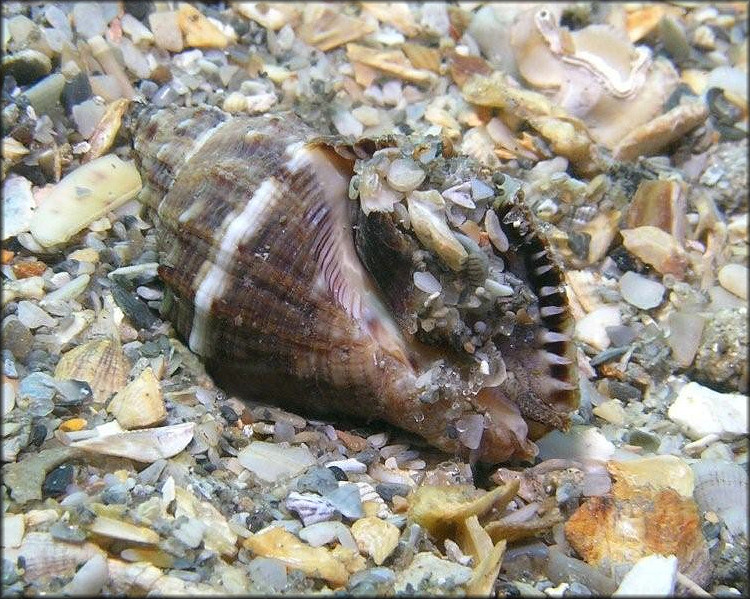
(295, 294)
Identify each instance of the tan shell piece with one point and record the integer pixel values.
(318, 562)
(375, 537)
(441, 509)
(140, 404)
(125, 531)
(100, 362)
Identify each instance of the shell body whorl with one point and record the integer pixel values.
(294, 294)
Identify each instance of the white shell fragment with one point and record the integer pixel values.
(427, 214)
(271, 462)
(721, 487)
(146, 445)
(701, 411)
(651, 576)
(18, 206)
(83, 196)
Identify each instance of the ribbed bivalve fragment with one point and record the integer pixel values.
(378, 280)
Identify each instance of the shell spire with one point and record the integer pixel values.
(293, 293)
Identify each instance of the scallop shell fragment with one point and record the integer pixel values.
(100, 362)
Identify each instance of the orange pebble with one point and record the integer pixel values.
(74, 424)
(29, 268)
(6, 256)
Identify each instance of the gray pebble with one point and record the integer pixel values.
(388, 490)
(65, 532)
(37, 389)
(317, 480)
(9, 364)
(270, 571)
(17, 337)
(576, 589)
(72, 392)
(117, 494)
(346, 500)
(149, 475)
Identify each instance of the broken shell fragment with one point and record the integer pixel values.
(145, 445)
(84, 195)
(656, 248)
(318, 562)
(427, 214)
(657, 134)
(101, 363)
(375, 537)
(633, 522)
(124, 531)
(140, 403)
(441, 509)
(44, 557)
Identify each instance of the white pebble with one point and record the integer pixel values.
(33, 316)
(367, 115)
(733, 278)
(166, 30)
(260, 103)
(88, 19)
(18, 205)
(349, 465)
(90, 579)
(13, 530)
(392, 92)
(135, 60)
(58, 19)
(700, 411)
(495, 231)
(346, 124)
(136, 30)
(404, 175)
(87, 115)
(426, 281)
(591, 328)
(651, 576)
(641, 291)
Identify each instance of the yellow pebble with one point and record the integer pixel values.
(74, 424)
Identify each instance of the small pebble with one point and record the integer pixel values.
(58, 480)
(17, 338)
(641, 291)
(318, 480)
(405, 175)
(733, 278)
(346, 499)
(388, 490)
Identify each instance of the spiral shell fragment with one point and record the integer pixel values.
(292, 266)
